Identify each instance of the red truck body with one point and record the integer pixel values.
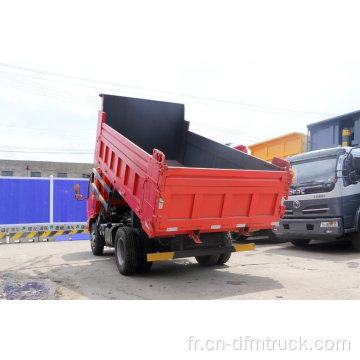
(242, 148)
(204, 187)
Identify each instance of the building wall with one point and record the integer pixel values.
(328, 133)
(22, 168)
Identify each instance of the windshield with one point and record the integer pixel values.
(313, 172)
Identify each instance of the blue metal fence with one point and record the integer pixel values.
(24, 201)
(66, 207)
(31, 200)
(42, 206)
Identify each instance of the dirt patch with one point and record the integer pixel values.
(18, 288)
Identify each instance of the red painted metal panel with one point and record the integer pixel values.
(178, 200)
(210, 204)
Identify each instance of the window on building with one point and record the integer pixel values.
(7, 173)
(35, 174)
(62, 174)
(85, 176)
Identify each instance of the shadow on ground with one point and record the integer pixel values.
(81, 275)
(87, 255)
(77, 274)
(261, 240)
(177, 279)
(339, 250)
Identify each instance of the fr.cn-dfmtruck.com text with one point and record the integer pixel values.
(248, 343)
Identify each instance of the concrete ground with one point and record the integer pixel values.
(68, 270)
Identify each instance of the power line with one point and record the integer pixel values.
(46, 152)
(51, 150)
(47, 79)
(42, 93)
(15, 78)
(216, 130)
(55, 133)
(49, 91)
(193, 98)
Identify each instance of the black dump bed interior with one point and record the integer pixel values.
(160, 125)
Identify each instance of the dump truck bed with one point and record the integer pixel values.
(282, 146)
(178, 182)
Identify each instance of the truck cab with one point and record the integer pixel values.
(324, 199)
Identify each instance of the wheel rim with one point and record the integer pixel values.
(120, 251)
(93, 239)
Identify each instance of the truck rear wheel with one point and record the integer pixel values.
(97, 242)
(207, 260)
(355, 241)
(224, 258)
(143, 266)
(300, 242)
(126, 250)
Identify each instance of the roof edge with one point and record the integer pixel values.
(335, 118)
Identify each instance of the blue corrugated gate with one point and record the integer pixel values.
(43, 205)
(66, 207)
(24, 201)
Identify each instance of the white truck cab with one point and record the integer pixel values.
(324, 201)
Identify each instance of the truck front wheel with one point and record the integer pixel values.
(355, 241)
(300, 242)
(126, 250)
(97, 242)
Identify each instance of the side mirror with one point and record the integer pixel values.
(355, 163)
(77, 194)
(353, 168)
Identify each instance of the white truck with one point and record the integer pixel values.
(324, 201)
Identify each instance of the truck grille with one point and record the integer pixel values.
(310, 210)
(314, 210)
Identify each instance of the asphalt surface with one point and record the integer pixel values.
(68, 270)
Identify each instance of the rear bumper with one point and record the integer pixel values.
(198, 252)
(308, 229)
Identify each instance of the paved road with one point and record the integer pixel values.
(68, 270)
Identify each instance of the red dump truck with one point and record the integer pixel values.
(159, 191)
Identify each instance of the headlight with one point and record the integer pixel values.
(329, 224)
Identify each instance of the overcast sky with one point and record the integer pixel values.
(245, 70)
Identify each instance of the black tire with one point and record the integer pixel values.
(224, 258)
(126, 253)
(355, 241)
(97, 242)
(300, 242)
(235, 236)
(207, 260)
(143, 266)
